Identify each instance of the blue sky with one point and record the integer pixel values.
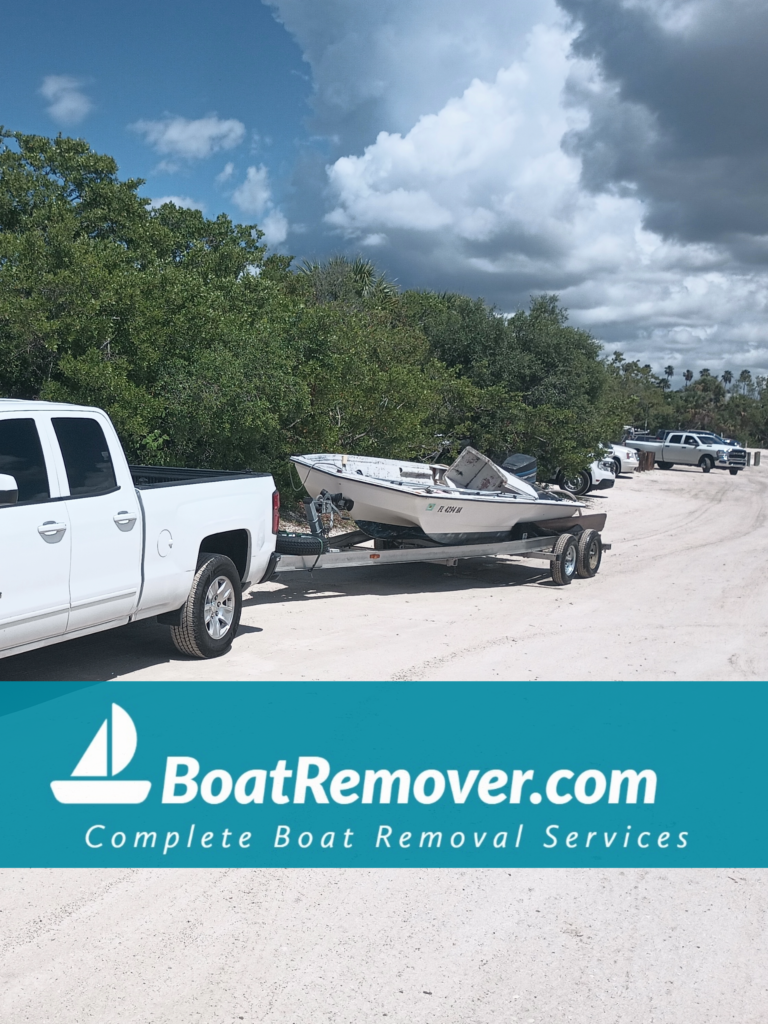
(613, 151)
(148, 62)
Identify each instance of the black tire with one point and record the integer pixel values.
(590, 554)
(733, 472)
(616, 467)
(665, 465)
(563, 568)
(197, 637)
(299, 544)
(706, 462)
(577, 484)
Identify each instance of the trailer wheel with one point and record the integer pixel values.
(590, 553)
(298, 544)
(706, 462)
(211, 616)
(567, 556)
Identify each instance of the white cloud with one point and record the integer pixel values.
(67, 103)
(384, 65)
(226, 173)
(184, 202)
(482, 198)
(254, 198)
(451, 129)
(191, 140)
(254, 195)
(275, 227)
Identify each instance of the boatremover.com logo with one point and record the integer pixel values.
(111, 750)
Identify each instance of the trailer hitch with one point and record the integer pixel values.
(325, 504)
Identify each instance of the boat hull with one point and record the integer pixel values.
(445, 516)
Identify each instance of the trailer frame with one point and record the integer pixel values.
(356, 549)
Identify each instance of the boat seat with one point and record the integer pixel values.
(474, 472)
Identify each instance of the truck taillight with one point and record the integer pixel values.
(275, 511)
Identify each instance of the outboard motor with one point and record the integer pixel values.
(523, 466)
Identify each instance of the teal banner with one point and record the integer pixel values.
(383, 775)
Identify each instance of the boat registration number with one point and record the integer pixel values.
(434, 507)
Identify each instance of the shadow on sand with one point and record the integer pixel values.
(146, 644)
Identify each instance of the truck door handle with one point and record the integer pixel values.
(124, 520)
(50, 529)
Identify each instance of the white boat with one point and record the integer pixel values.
(471, 501)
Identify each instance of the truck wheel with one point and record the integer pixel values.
(564, 567)
(733, 472)
(616, 467)
(706, 462)
(590, 553)
(664, 465)
(578, 483)
(299, 544)
(211, 616)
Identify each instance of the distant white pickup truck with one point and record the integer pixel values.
(688, 448)
(88, 542)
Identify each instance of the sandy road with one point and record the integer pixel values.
(681, 595)
(344, 947)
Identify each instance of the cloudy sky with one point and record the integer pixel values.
(613, 151)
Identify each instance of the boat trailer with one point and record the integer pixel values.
(573, 546)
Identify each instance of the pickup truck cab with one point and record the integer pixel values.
(88, 542)
(688, 448)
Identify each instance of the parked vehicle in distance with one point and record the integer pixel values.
(88, 542)
(686, 448)
(598, 475)
(729, 442)
(625, 460)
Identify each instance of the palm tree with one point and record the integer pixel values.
(688, 377)
(339, 279)
(705, 372)
(745, 379)
(669, 372)
(727, 377)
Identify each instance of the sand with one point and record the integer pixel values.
(345, 947)
(681, 595)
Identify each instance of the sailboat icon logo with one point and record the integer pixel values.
(93, 781)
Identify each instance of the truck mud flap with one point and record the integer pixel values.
(270, 573)
(171, 618)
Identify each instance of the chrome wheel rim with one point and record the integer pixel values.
(219, 608)
(572, 483)
(569, 562)
(592, 555)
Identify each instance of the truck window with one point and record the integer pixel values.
(86, 456)
(21, 455)
(675, 439)
(690, 439)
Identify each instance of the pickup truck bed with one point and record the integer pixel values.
(145, 477)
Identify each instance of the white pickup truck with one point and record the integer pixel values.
(689, 448)
(88, 542)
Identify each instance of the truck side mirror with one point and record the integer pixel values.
(9, 490)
